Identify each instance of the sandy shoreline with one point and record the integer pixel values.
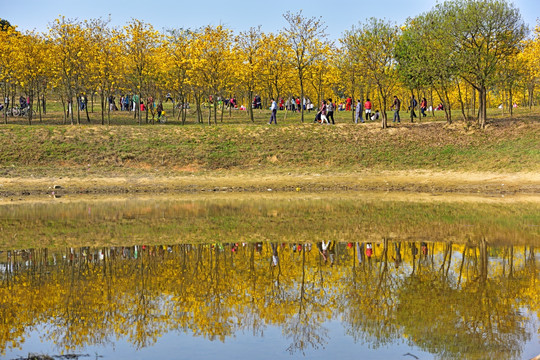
(439, 183)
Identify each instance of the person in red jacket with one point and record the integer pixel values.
(348, 104)
(423, 107)
(367, 107)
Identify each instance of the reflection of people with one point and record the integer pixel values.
(275, 259)
(258, 246)
(369, 250)
(296, 247)
(397, 259)
(327, 250)
(414, 250)
(360, 252)
(424, 248)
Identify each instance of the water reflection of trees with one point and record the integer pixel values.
(455, 301)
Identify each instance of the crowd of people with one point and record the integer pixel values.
(364, 111)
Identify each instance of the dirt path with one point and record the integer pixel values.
(485, 184)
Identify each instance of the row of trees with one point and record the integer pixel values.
(458, 53)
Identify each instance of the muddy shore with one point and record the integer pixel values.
(485, 184)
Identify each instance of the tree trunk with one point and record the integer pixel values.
(482, 109)
(301, 96)
(353, 104)
(39, 106)
(198, 107)
(384, 122)
(215, 109)
(448, 107)
(6, 105)
(222, 109)
(70, 108)
(102, 99)
(30, 104)
(138, 108)
(86, 108)
(474, 100)
(107, 96)
(411, 114)
(531, 92)
(511, 100)
(184, 110)
(64, 107)
(461, 102)
(78, 110)
(250, 106)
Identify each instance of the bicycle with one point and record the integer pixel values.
(163, 118)
(18, 111)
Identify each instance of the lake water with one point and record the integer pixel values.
(266, 277)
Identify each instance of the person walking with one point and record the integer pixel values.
(423, 107)
(323, 113)
(396, 106)
(358, 114)
(273, 108)
(330, 111)
(412, 106)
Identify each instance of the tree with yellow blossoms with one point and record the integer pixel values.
(104, 67)
(69, 57)
(8, 39)
(248, 47)
(176, 66)
(211, 64)
(306, 38)
(141, 43)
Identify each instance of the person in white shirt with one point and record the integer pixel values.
(273, 108)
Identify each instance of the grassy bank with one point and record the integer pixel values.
(506, 146)
(430, 156)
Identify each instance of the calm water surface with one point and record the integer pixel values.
(270, 278)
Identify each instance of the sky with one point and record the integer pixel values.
(238, 15)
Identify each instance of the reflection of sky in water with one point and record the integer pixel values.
(243, 346)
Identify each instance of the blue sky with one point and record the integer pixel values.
(237, 15)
